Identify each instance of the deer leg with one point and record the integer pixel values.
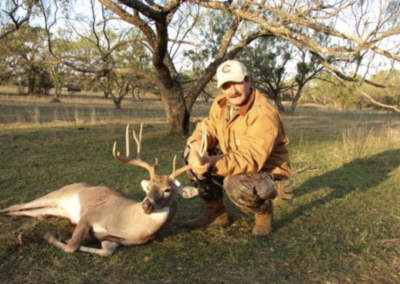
(74, 243)
(37, 203)
(54, 242)
(39, 212)
(82, 229)
(107, 249)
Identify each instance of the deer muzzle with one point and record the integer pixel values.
(148, 206)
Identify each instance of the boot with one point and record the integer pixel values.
(263, 226)
(214, 215)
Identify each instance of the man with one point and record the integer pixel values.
(252, 161)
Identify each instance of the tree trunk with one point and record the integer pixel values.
(279, 104)
(296, 98)
(178, 117)
(31, 81)
(57, 91)
(117, 102)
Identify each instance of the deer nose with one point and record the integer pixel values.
(148, 206)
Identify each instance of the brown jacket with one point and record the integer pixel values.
(252, 140)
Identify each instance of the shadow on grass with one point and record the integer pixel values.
(360, 174)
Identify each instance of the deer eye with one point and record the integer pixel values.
(168, 190)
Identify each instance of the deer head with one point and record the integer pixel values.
(160, 189)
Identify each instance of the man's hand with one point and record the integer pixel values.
(193, 159)
(200, 169)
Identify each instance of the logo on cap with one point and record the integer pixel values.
(226, 69)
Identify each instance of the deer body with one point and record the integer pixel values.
(109, 216)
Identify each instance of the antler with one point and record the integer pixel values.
(199, 154)
(134, 162)
(204, 145)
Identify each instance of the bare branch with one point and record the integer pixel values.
(375, 102)
(18, 6)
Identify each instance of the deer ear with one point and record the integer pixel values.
(145, 185)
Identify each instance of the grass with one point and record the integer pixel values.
(343, 226)
(18, 111)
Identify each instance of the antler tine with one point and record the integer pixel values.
(203, 147)
(127, 150)
(174, 164)
(180, 171)
(133, 162)
(138, 141)
(199, 154)
(155, 163)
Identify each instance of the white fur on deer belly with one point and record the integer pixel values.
(72, 208)
(160, 216)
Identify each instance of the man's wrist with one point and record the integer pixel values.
(212, 160)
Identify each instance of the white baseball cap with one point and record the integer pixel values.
(231, 71)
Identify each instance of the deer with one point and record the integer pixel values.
(109, 216)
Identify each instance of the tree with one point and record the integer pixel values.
(362, 32)
(299, 23)
(389, 95)
(328, 90)
(306, 71)
(98, 48)
(14, 14)
(58, 74)
(154, 21)
(44, 82)
(24, 53)
(268, 61)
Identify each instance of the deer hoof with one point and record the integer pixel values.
(49, 238)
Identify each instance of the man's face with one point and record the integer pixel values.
(237, 93)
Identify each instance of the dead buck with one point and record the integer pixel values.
(109, 216)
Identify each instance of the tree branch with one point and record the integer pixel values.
(17, 22)
(364, 94)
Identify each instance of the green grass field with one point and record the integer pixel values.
(343, 226)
